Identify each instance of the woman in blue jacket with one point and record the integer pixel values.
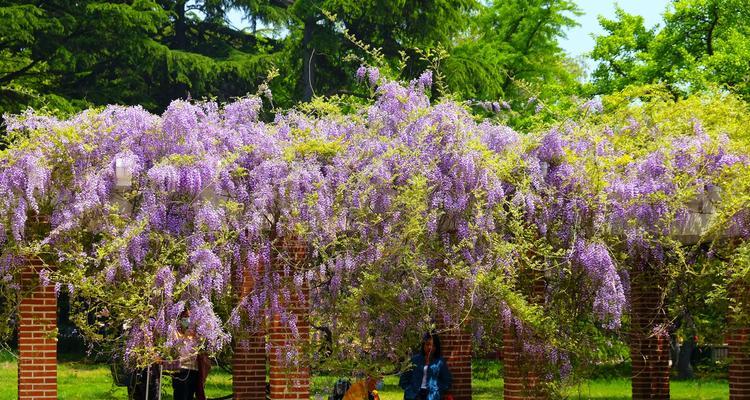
(429, 377)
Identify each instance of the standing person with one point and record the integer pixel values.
(189, 381)
(145, 383)
(429, 377)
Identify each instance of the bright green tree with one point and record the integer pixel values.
(511, 45)
(702, 43)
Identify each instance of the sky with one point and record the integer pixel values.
(579, 40)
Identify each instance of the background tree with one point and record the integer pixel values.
(67, 57)
(702, 43)
(514, 41)
(70, 55)
(394, 27)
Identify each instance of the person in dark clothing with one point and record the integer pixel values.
(429, 377)
(189, 381)
(144, 383)
(185, 384)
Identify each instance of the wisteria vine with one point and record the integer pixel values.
(416, 216)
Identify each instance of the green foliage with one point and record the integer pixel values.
(620, 51)
(313, 148)
(512, 41)
(701, 43)
(331, 38)
(66, 56)
(702, 280)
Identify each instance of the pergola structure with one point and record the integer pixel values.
(37, 366)
(253, 353)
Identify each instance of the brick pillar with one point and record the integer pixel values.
(290, 381)
(738, 339)
(521, 381)
(37, 337)
(649, 350)
(249, 368)
(249, 357)
(739, 364)
(456, 347)
(521, 376)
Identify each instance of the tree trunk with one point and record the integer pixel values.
(308, 60)
(684, 368)
(711, 28)
(180, 26)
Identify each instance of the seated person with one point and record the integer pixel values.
(365, 389)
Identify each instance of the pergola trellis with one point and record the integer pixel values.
(37, 366)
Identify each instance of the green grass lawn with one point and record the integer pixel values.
(619, 389)
(83, 380)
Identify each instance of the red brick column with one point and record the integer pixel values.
(37, 337)
(249, 368)
(649, 349)
(738, 339)
(290, 381)
(739, 367)
(249, 359)
(521, 376)
(521, 381)
(456, 348)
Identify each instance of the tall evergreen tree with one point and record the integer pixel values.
(71, 54)
(393, 26)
